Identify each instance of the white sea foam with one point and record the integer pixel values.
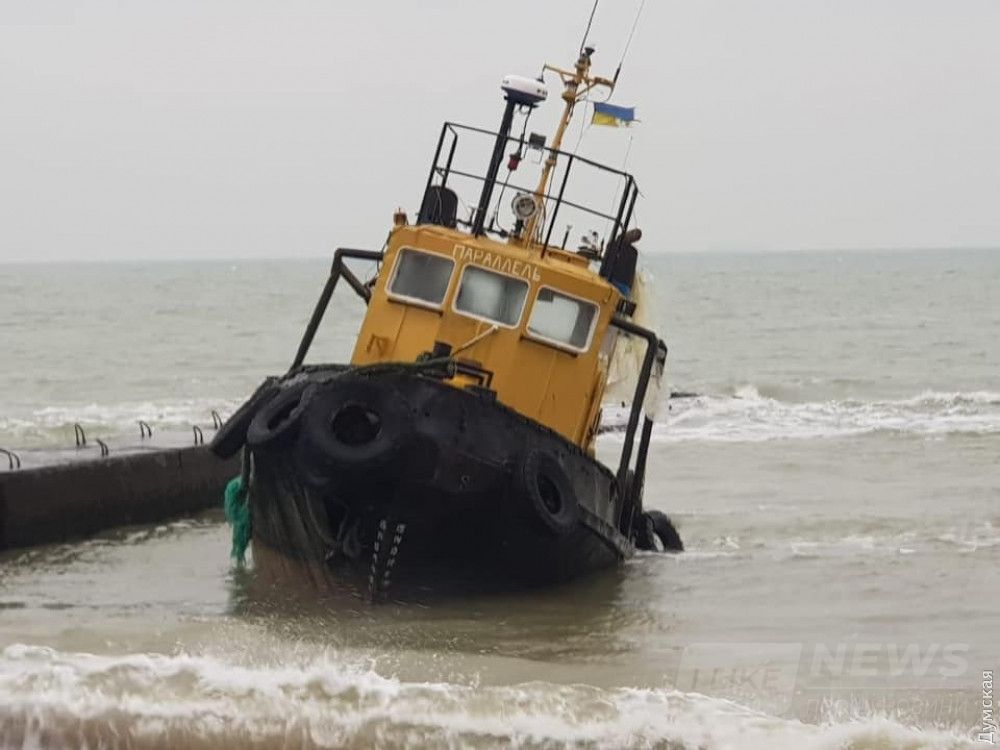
(972, 538)
(828, 540)
(53, 425)
(73, 699)
(743, 415)
(165, 413)
(747, 416)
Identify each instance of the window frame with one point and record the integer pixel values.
(555, 342)
(417, 301)
(491, 321)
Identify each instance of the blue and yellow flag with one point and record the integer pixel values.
(610, 114)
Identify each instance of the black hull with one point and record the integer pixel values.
(399, 481)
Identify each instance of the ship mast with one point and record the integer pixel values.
(576, 84)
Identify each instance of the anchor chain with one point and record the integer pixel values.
(373, 571)
(393, 551)
(379, 584)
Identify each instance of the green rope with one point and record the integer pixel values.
(237, 509)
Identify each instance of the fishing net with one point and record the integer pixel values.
(237, 511)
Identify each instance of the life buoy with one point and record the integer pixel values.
(351, 425)
(233, 434)
(278, 421)
(549, 492)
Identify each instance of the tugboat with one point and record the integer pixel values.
(459, 441)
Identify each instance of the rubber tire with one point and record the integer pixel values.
(666, 531)
(654, 524)
(643, 533)
(277, 423)
(322, 455)
(539, 465)
(232, 436)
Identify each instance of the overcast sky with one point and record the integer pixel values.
(239, 128)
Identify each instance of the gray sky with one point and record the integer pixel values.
(250, 129)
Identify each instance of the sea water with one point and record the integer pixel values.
(835, 477)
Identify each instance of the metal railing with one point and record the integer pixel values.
(552, 202)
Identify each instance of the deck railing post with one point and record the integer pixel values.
(430, 176)
(337, 269)
(653, 347)
(555, 211)
(631, 208)
(617, 229)
(451, 156)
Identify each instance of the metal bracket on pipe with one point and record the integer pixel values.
(11, 459)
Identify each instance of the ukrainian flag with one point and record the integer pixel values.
(610, 114)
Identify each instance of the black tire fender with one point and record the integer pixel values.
(664, 528)
(352, 425)
(233, 434)
(277, 423)
(549, 492)
(653, 525)
(643, 534)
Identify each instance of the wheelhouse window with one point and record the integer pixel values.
(491, 296)
(561, 319)
(422, 277)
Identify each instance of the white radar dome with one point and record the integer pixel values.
(524, 90)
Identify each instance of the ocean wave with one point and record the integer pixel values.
(829, 538)
(746, 416)
(51, 698)
(53, 425)
(742, 414)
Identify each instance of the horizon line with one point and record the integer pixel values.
(312, 257)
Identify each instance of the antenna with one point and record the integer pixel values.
(628, 42)
(590, 21)
(576, 82)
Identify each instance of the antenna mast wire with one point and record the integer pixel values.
(628, 150)
(589, 22)
(628, 42)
